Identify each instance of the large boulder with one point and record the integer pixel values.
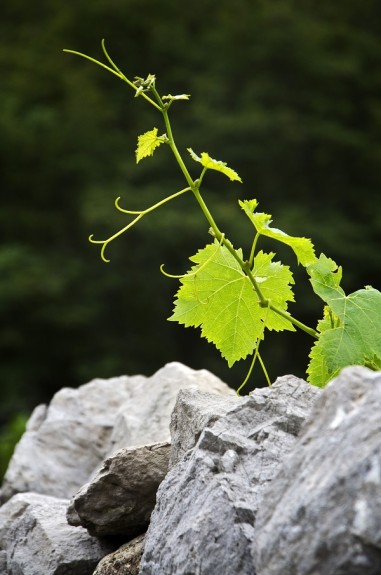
(66, 441)
(119, 499)
(35, 539)
(322, 512)
(204, 518)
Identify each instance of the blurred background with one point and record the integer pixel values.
(288, 93)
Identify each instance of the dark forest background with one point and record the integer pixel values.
(287, 92)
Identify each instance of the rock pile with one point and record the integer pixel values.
(176, 475)
(97, 431)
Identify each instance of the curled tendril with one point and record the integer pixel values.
(139, 215)
(113, 68)
(130, 212)
(195, 272)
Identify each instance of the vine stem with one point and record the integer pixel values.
(114, 71)
(195, 187)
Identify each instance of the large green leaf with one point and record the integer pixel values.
(217, 296)
(350, 332)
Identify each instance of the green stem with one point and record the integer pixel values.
(194, 186)
(253, 248)
(264, 370)
(176, 152)
(295, 322)
(245, 266)
(117, 73)
(250, 370)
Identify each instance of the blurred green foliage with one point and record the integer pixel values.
(9, 436)
(288, 93)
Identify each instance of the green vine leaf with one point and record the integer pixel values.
(210, 164)
(302, 247)
(275, 281)
(178, 97)
(350, 332)
(219, 298)
(147, 144)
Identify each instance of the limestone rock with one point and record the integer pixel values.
(322, 513)
(35, 539)
(3, 562)
(148, 421)
(124, 561)
(204, 518)
(194, 410)
(66, 441)
(119, 500)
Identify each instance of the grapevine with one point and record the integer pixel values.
(234, 298)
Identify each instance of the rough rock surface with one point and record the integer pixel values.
(194, 410)
(119, 499)
(148, 419)
(322, 513)
(67, 440)
(206, 506)
(124, 561)
(35, 539)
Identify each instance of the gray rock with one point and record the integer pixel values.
(124, 561)
(35, 539)
(204, 518)
(148, 421)
(194, 410)
(119, 500)
(3, 563)
(322, 513)
(66, 441)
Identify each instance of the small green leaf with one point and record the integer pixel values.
(302, 247)
(147, 143)
(208, 162)
(178, 97)
(221, 300)
(350, 332)
(144, 84)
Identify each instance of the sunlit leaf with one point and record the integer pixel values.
(350, 332)
(208, 162)
(220, 299)
(302, 247)
(147, 144)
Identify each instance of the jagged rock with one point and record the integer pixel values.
(119, 500)
(124, 561)
(194, 410)
(148, 421)
(204, 518)
(35, 539)
(322, 513)
(67, 440)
